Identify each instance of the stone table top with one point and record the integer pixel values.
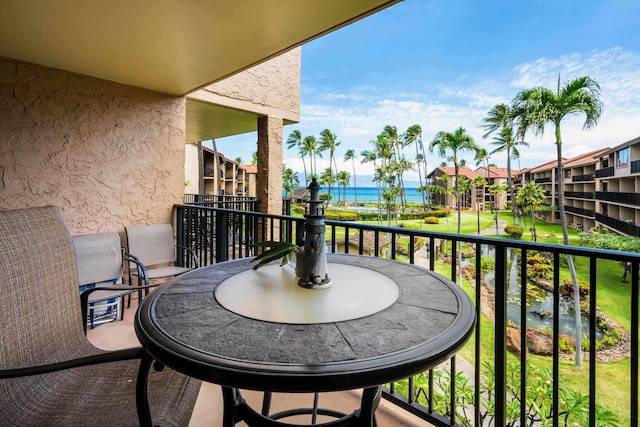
(184, 326)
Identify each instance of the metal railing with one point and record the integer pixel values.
(580, 194)
(582, 178)
(542, 180)
(619, 197)
(590, 213)
(223, 234)
(625, 227)
(605, 172)
(635, 166)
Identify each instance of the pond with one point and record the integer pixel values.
(539, 303)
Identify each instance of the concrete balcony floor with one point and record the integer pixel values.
(208, 409)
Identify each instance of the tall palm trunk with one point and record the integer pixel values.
(459, 203)
(355, 185)
(572, 268)
(511, 190)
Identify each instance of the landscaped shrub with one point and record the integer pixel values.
(438, 213)
(431, 220)
(514, 231)
(341, 215)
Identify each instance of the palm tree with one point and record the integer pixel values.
(289, 180)
(531, 196)
(413, 135)
(343, 178)
(455, 142)
(295, 141)
(351, 155)
(328, 142)
(539, 106)
(505, 141)
(309, 148)
(370, 156)
(500, 118)
(478, 182)
(496, 189)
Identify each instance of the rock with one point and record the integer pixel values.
(539, 342)
(514, 341)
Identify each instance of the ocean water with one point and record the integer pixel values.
(370, 194)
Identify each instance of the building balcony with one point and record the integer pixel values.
(583, 212)
(427, 396)
(624, 227)
(590, 195)
(605, 172)
(632, 199)
(582, 178)
(635, 166)
(542, 180)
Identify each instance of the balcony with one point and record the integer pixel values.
(582, 178)
(584, 212)
(622, 226)
(632, 199)
(542, 180)
(635, 166)
(605, 172)
(580, 194)
(222, 234)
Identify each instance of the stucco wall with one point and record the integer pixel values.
(107, 154)
(272, 87)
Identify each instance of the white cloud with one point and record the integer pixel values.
(358, 114)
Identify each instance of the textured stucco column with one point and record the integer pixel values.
(269, 179)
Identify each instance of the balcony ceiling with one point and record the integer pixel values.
(170, 46)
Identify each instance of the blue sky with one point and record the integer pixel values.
(445, 64)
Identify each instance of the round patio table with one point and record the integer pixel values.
(380, 321)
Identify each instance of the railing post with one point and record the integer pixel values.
(222, 236)
(501, 336)
(181, 225)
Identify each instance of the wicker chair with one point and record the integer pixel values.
(50, 374)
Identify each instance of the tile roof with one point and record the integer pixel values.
(584, 159)
(451, 171)
(368, 240)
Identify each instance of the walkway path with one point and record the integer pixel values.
(421, 258)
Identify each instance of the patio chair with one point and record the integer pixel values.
(154, 248)
(50, 374)
(99, 260)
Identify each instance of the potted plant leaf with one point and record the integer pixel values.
(287, 251)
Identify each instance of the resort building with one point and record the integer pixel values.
(599, 188)
(494, 195)
(617, 199)
(210, 172)
(445, 178)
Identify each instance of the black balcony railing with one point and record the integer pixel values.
(220, 234)
(582, 178)
(625, 227)
(605, 172)
(635, 166)
(580, 194)
(584, 212)
(542, 180)
(620, 198)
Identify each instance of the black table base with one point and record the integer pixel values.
(236, 409)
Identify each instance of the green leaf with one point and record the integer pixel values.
(271, 255)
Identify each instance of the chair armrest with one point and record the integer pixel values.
(142, 271)
(193, 254)
(111, 356)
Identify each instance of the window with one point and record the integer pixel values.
(622, 157)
